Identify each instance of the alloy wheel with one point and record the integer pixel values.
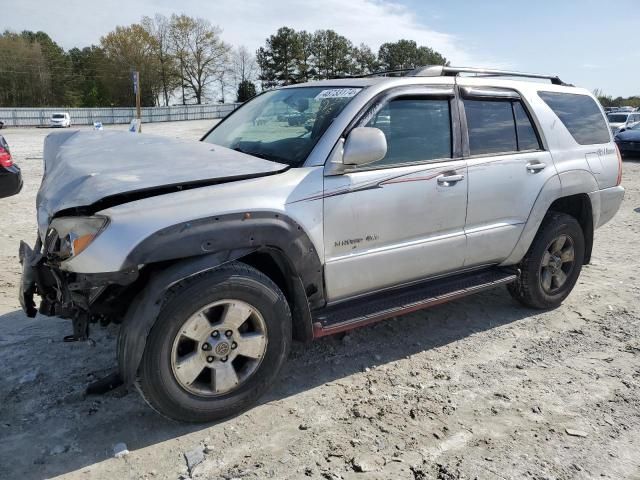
(219, 347)
(557, 264)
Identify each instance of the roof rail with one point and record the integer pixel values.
(439, 70)
(446, 71)
(382, 73)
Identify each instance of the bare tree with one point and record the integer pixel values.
(159, 28)
(202, 55)
(244, 65)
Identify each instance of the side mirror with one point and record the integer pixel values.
(364, 145)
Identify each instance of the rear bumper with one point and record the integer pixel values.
(10, 181)
(609, 200)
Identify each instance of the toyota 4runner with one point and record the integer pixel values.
(392, 194)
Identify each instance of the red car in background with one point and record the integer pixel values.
(10, 176)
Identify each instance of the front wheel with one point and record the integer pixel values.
(551, 267)
(218, 344)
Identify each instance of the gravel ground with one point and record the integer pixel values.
(478, 388)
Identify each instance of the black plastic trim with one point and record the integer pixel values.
(253, 230)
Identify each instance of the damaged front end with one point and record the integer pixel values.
(82, 298)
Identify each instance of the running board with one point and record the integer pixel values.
(400, 301)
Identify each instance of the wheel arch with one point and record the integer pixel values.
(566, 193)
(579, 207)
(177, 254)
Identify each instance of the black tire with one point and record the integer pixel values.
(528, 289)
(156, 380)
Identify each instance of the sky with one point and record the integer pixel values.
(590, 43)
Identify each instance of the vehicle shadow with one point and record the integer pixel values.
(51, 428)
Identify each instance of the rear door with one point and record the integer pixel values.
(506, 166)
(400, 219)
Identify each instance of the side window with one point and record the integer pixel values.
(527, 138)
(417, 129)
(580, 114)
(491, 126)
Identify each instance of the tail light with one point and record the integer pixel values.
(5, 158)
(619, 181)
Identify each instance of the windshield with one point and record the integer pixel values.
(282, 125)
(617, 118)
(57, 115)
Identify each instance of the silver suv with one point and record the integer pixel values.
(311, 210)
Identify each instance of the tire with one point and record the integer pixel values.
(538, 286)
(211, 395)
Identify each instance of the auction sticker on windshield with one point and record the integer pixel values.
(337, 93)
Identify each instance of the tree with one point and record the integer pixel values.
(90, 81)
(129, 49)
(58, 65)
(202, 55)
(305, 65)
(279, 58)
(332, 54)
(364, 60)
(25, 78)
(246, 91)
(244, 70)
(407, 54)
(160, 29)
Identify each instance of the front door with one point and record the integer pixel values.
(400, 219)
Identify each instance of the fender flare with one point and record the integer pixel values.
(224, 233)
(567, 183)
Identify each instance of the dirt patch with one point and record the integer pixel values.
(479, 388)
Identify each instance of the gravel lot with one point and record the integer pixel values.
(479, 388)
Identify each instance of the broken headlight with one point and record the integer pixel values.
(68, 236)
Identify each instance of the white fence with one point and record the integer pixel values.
(36, 117)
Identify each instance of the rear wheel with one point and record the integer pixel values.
(551, 267)
(217, 345)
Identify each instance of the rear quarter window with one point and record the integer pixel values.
(580, 114)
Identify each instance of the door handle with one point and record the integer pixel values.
(535, 167)
(449, 180)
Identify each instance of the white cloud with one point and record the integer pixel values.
(248, 22)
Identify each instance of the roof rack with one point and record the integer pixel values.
(446, 71)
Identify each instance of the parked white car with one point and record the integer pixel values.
(620, 121)
(60, 119)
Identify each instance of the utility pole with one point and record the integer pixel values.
(136, 85)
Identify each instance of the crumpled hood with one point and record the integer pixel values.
(87, 168)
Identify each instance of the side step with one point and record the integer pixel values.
(399, 301)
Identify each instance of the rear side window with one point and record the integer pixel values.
(499, 126)
(580, 114)
(527, 138)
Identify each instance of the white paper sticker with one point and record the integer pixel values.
(337, 93)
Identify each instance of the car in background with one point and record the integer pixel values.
(1, 124)
(10, 175)
(628, 141)
(60, 119)
(620, 121)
